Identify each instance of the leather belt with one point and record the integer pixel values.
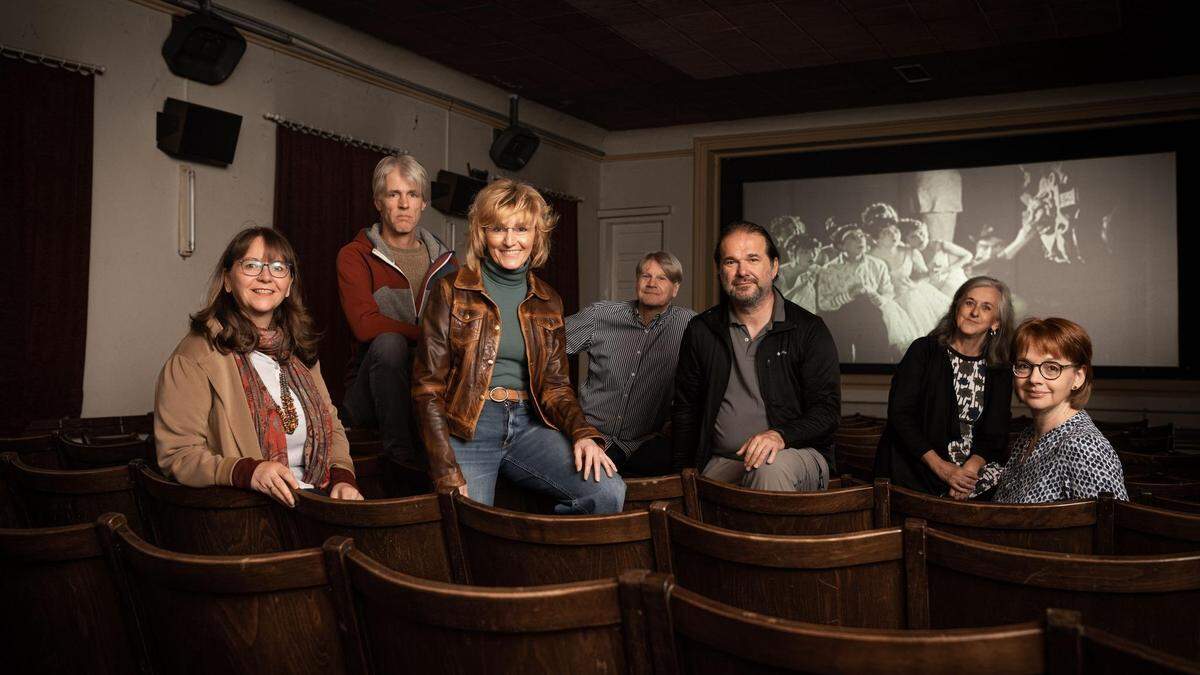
(502, 394)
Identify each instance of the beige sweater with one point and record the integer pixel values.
(202, 424)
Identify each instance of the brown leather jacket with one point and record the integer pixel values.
(452, 368)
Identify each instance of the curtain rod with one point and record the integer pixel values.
(50, 61)
(333, 136)
(295, 41)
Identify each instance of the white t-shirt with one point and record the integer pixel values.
(268, 371)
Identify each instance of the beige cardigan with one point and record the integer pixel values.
(202, 424)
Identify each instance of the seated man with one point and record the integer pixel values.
(632, 347)
(757, 388)
(384, 274)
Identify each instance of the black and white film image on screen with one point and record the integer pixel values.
(1092, 240)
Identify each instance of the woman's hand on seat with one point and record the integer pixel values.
(590, 457)
(345, 491)
(276, 481)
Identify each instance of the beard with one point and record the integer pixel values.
(746, 297)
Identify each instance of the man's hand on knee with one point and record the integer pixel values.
(761, 447)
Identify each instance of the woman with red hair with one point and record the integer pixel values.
(1062, 455)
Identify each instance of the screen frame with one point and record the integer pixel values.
(725, 168)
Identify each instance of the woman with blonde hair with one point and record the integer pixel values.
(490, 376)
(241, 401)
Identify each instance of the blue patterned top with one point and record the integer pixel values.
(1073, 461)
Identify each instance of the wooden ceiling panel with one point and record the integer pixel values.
(643, 63)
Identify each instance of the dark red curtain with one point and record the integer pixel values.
(322, 200)
(45, 239)
(562, 269)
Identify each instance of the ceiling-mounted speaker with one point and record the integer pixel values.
(513, 147)
(453, 193)
(203, 48)
(196, 133)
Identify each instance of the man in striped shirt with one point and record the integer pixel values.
(632, 348)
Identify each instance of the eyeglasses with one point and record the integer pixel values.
(252, 268)
(1049, 369)
(499, 231)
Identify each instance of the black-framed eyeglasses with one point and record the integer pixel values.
(252, 268)
(1049, 369)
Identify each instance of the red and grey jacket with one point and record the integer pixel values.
(376, 296)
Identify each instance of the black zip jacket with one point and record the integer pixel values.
(798, 377)
(923, 416)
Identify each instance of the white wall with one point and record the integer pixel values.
(140, 290)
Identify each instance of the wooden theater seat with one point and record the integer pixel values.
(1139, 529)
(960, 582)
(854, 579)
(499, 547)
(402, 624)
(214, 520)
(796, 513)
(61, 611)
(53, 497)
(403, 534)
(96, 452)
(1068, 527)
(253, 614)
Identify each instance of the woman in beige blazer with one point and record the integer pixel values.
(241, 401)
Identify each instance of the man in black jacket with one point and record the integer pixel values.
(757, 388)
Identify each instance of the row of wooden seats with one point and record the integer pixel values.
(227, 520)
(336, 610)
(918, 577)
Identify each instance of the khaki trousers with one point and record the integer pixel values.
(794, 470)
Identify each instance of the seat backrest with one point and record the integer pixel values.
(509, 548)
(79, 452)
(1177, 465)
(1145, 530)
(1154, 600)
(53, 497)
(795, 513)
(403, 534)
(1068, 527)
(854, 579)
(408, 625)
(214, 520)
(61, 611)
(266, 613)
(640, 493)
(1170, 503)
(856, 458)
(1138, 486)
(689, 633)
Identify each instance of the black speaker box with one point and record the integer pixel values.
(203, 48)
(453, 193)
(514, 147)
(198, 134)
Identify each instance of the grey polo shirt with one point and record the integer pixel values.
(743, 413)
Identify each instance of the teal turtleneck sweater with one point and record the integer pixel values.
(508, 288)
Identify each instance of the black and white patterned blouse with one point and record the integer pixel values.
(970, 376)
(1073, 461)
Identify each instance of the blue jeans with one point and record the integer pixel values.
(510, 438)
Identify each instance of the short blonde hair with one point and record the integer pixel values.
(410, 169)
(499, 202)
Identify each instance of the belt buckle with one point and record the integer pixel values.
(503, 395)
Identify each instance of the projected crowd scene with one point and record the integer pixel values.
(880, 256)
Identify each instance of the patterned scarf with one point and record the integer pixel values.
(268, 422)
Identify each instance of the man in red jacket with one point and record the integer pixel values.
(384, 275)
